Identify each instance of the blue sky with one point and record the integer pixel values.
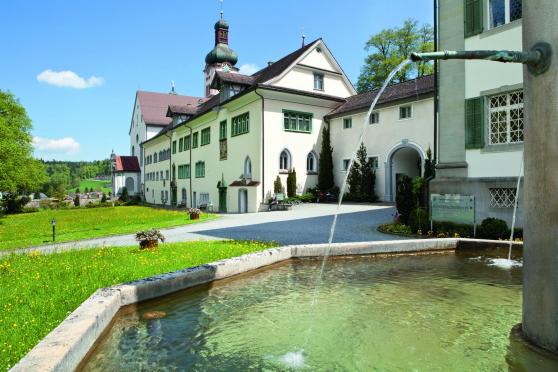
(112, 48)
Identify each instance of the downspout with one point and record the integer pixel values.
(263, 146)
(435, 150)
(190, 151)
(170, 163)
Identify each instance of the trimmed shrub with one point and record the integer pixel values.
(277, 185)
(493, 228)
(463, 230)
(418, 220)
(291, 183)
(124, 194)
(405, 200)
(76, 201)
(14, 203)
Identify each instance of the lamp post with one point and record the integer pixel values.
(53, 223)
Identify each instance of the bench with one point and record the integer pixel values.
(280, 207)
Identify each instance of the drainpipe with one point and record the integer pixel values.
(263, 146)
(190, 152)
(170, 162)
(435, 145)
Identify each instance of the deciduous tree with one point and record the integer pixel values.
(389, 48)
(19, 171)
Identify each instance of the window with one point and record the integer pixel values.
(506, 118)
(373, 162)
(311, 162)
(166, 174)
(347, 123)
(187, 143)
(155, 157)
(346, 163)
(200, 169)
(297, 121)
(374, 118)
(195, 140)
(284, 160)
(247, 168)
(223, 130)
(501, 12)
(204, 198)
(184, 171)
(180, 144)
(405, 112)
(205, 136)
(318, 81)
(162, 196)
(161, 173)
(502, 197)
(240, 124)
(157, 176)
(184, 195)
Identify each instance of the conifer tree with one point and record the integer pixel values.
(277, 185)
(291, 183)
(325, 175)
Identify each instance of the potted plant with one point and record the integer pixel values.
(194, 213)
(149, 238)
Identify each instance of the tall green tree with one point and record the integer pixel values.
(362, 178)
(291, 183)
(325, 175)
(19, 171)
(389, 48)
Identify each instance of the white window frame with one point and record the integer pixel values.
(377, 163)
(314, 168)
(507, 109)
(405, 107)
(507, 14)
(345, 165)
(287, 160)
(373, 115)
(319, 78)
(348, 120)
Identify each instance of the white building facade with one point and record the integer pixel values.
(398, 133)
(480, 131)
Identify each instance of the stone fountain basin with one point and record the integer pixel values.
(68, 344)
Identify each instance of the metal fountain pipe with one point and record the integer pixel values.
(537, 59)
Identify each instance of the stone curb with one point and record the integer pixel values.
(64, 348)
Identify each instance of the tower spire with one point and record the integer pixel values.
(221, 4)
(303, 36)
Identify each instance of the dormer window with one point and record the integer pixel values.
(318, 81)
(229, 90)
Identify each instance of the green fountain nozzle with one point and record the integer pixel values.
(537, 59)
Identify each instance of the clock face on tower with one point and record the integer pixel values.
(226, 67)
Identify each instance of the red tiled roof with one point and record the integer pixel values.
(127, 164)
(395, 92)
(154, 106)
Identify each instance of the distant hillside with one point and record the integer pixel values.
(67, 175)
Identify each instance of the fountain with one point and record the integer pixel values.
(540, 265)
(436, 311)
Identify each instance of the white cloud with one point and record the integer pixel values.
(66, 145)
(68, 79)
(248, 69)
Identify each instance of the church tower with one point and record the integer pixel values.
(221, 57)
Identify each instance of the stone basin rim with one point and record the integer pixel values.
(65, 347)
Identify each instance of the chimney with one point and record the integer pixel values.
(269, 63)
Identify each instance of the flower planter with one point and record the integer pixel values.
(147, 244)
(194, 216)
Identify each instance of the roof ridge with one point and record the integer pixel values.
(394, 85)
(282, 59)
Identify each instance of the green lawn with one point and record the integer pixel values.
(30, 229)
(97, 185)
(39, 291)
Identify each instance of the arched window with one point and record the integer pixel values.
(155, 157)
(248, 167)
(311, 162)
(133, 151)
(285, 160)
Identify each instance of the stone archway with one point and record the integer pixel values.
(404, 158)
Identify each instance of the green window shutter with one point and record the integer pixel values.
(174, 147)
(474, 123)
(473, 17)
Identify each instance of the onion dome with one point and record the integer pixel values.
(221, 23)
(220, 54)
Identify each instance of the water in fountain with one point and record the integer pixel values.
(508, 263)
(299, 355)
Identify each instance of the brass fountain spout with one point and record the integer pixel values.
(537, 59)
